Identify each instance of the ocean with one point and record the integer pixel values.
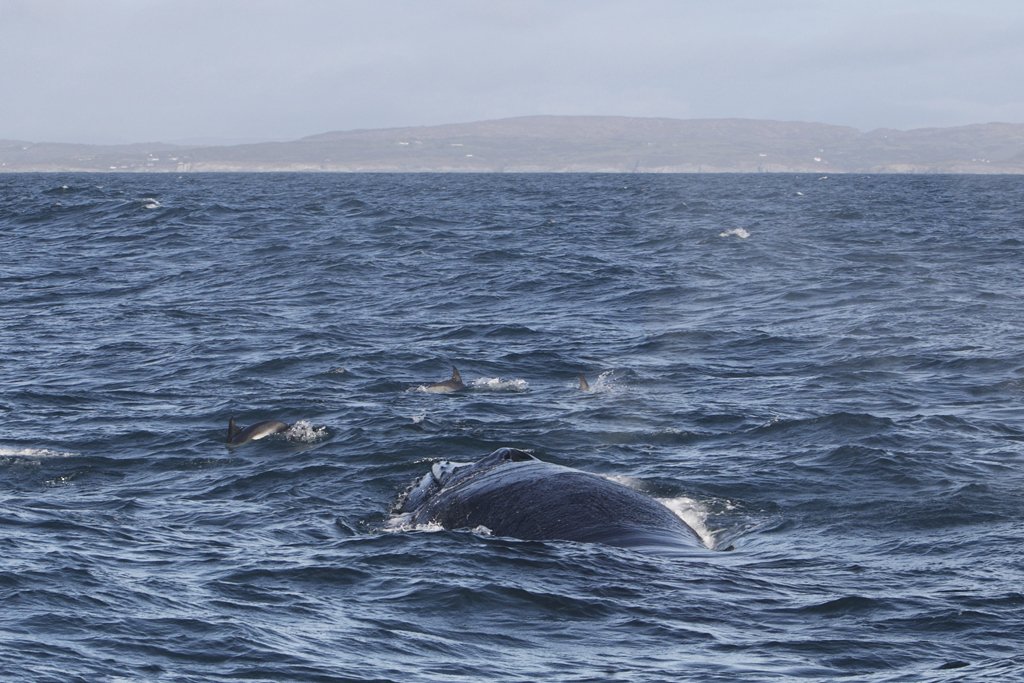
(822, 375)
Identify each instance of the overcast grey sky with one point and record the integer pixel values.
(106, 71)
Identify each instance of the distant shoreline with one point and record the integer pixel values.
(564, 144)
(74, 171)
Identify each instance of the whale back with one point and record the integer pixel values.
(522, 497)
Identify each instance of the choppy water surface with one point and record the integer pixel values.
(823, 374)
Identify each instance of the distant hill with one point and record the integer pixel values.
(568, 144)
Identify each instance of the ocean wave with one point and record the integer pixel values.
(28, 452)
(833, 396)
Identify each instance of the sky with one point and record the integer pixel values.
(224, 71)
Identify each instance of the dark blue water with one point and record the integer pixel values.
(824, 375)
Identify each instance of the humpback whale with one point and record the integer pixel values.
(448, 386)
(512, 493)
(238, 436)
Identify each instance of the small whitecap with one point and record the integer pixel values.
(418, 419)
(606, 383)
(741, 233)
(403, 522)
(306, 432)
(499, 385)
(33, 453)
(151, 203)
(58, 482)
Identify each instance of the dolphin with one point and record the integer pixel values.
(584, 384)
(512, 493)
(238, 436)
(448, 386)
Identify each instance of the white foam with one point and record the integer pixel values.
(605, 383)
(499, 385)
(401, 523)
(63, 480)
(735, 232)
(306, 432)
(398, 524)
(694, 513)
(33, 453)
(151, 203)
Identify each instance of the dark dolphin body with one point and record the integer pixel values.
(514, 494)
(238, 436)
(448, 386)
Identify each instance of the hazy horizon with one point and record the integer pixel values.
(234, 71)
(229, 142)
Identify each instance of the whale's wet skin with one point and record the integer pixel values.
(512, 493)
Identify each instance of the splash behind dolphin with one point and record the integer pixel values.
(514, 494)
(238, 436)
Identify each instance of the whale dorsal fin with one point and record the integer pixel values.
(232, 429)
(584, 384)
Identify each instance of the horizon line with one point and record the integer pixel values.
(196, 140)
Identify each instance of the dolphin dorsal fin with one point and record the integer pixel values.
(455, 374)
(232, 429)
(584, 384)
